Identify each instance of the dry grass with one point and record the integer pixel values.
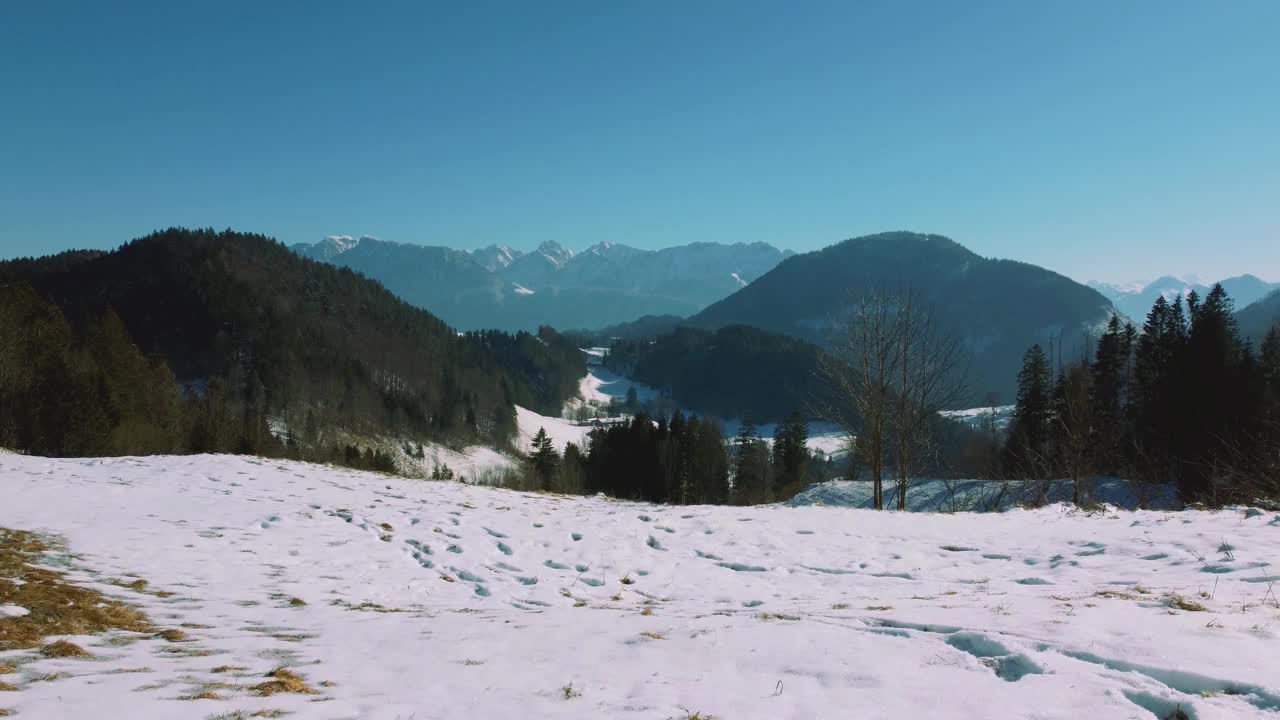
(173, 635)
(64, 649)
(56, 606)
(228, 668)
(653, 635)
(5, 713)
(1181, 603)
(283, 680)
(7, 687)
(7, 669)
(297, 602)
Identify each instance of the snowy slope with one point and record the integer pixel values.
(444, 600)
(560, 431)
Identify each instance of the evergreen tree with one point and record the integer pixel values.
(543, 459)
(1111, 374)
(1028, 452)
(1158, 373)
(1215, 385)
(751, 483)
(790, 456)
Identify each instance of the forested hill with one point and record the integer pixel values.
(995, 307)
(735, 372)
(195, 340)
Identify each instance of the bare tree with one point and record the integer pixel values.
(860, 372)
(931, 378)
(889, 372)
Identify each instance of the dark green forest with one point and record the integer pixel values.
(680, 460)
(736, 371)
(1187, 399)
(196, 341)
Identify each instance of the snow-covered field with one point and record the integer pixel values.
(444, 600)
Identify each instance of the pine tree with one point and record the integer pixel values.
(1214, 398)
(1028, 452)
(790, 455)
(543, 459)
(1157, 415)
(751, 467)
(1109, 396)
(1269, 368)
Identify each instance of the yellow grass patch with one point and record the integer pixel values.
(64, 649)
(283, 680)
(56, 606)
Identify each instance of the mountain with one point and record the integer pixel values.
(1258, 318)
(495, 257)
(1114, 291)
(1135, 300)
(998, 308)
(197, 341)
(498, 287)
(1246, 290)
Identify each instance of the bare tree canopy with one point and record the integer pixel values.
(890, 371)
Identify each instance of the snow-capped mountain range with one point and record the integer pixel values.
(502, 287)
(1135, 299)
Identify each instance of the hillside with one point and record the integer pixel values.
(497, 287)
(734, 372)
(389, 599)
(1257, 319)
(200, 341)
(996, 307)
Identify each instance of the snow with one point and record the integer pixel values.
(738, 279)
(560, 431)
(475, 602)
(979, 417)
(475, 463)
(10, 611)
(521, 290)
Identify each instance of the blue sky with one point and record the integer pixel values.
(1110, 140)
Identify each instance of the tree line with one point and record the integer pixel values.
(1185, 400)
(681, 460)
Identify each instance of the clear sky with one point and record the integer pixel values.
(1117, 140)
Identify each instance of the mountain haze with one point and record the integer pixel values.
(1135, 301)
(498, 287)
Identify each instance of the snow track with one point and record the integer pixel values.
(412, 599)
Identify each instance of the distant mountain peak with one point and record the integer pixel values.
(555, 252)
(495, 257)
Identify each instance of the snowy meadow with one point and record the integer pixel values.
(387, 598)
